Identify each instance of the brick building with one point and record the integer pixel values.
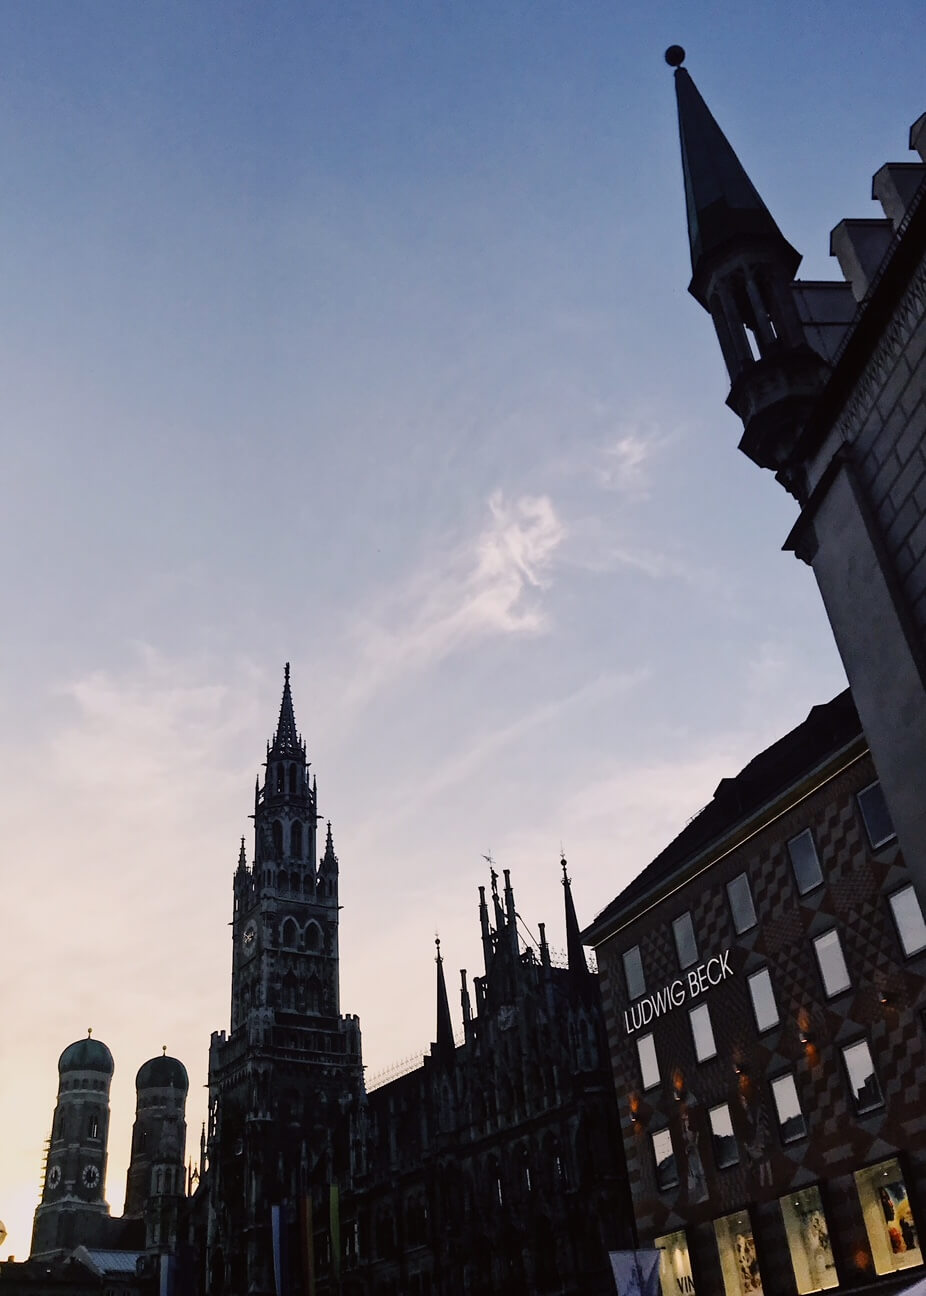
(764, 983)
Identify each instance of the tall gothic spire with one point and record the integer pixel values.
(723, 204)
(286, 741)
(444, 1042)
(578, 964)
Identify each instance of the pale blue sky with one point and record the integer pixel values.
(358, 334)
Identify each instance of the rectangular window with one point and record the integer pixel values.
(666, 1170)
(833, 970)
(908, 916)
(685, 943)
(862, 1079)
(875, 815)
(633, 972)
(649, 1064)
(808, 1241)
(742, 908)
(763, 999)
(790, 1117)
(888, 1215)
(804, 861)
(702, 1033)
(739, 1260)
(674, 1265)
(726, 1151)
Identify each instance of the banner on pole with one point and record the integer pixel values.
(636, 1273)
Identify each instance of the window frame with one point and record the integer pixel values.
(715, 1137)
(776, 1080)
(624, 955)
(843, 1050)
(681, 919)
(892, 835)
(744, 877)
(642, 1039)
(805, 832)
(754, 976)
(702, 1008)
(828, 993)
(898, 891)
(654, 1134)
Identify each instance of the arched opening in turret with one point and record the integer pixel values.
(289, 936)
(290, 983)
(93, 1130)
(313, 936)
(279, 779)
(277, 838)
(295, 840)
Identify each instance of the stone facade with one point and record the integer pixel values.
(781, 900)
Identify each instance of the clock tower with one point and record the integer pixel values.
(285, 1083)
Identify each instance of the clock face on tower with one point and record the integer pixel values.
(90, 1176)
(248, 936)
(54, 1176)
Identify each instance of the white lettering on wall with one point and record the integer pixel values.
(697, 981)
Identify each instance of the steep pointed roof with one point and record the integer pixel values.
(286, 740)
(574, 948)
(723, 205)
(444, 1043)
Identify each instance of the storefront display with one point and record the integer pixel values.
(809, 1241)
(739, 1261)
(892, 1232)
(675, 1265)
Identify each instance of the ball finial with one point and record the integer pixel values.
(675, 56)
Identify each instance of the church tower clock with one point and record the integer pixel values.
(286, 1082)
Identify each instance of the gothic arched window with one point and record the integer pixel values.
(313, 936)
(277, 837)
(94, 1129)
(280, 776)
(290, 933)
(295, 840)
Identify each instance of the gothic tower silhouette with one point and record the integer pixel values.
(285, 1082)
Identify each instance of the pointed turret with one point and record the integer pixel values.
(444, 1045)
(724, 207)
(329, 862)
(742, 269)
(286, 740)
(575, 951)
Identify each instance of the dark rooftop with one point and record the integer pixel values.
(827, 728)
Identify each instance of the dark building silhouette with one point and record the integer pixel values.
(493, 1167)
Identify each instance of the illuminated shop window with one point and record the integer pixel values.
(862, 1079)
(911, 928)
(633, 972)
(833, 970)
(788, 1105)
(674, 1265)
(739, 1262)
(763, 999)
(889, 1222)
(726, 1150)
(742, 908)
(804, 861)
(876, 816)
(649, 1063)
(664, 1156)
(702, 1033)
(809, 1241)
(685, 943)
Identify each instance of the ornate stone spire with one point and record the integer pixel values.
(444, 1043)
(286, 740)
(578, 964)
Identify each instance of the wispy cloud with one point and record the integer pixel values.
(623, 462)
(488, 586)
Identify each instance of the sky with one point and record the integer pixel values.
(357, 335)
